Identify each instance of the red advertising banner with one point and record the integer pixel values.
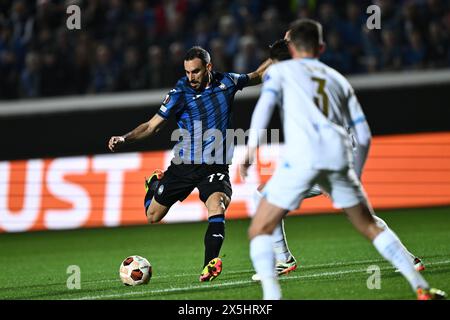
(108, 190)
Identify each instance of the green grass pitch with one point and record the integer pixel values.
(333, 260)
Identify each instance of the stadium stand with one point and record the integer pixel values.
(126, 45)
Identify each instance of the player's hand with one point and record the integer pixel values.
(115, 143)
(243, 170)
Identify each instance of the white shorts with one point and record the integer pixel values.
(289, 185)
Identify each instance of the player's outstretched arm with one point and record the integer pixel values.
(256, 76)
(143, 131)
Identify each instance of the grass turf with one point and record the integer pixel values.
(333, 260)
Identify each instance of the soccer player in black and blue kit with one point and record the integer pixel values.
(202, 103)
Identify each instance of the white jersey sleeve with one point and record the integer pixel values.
(270, 95)
(360, 130)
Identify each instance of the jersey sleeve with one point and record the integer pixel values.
(358, 120)
(171, 104)
(240, 80)
(361, 131)
(270, 96)
(272, 82)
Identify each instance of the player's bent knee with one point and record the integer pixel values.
(154, 216)
(373, 230)
(257, 229)
(156, 212)
(217, 202)
(151, 216)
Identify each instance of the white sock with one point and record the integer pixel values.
(383, 225)
(390, 247)
(280, 247)
(263, 258)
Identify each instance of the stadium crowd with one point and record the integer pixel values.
(136, 44)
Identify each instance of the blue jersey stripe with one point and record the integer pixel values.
(223, 113)
(190, 127)
(358, 120)
(203, 117)
(219, 115)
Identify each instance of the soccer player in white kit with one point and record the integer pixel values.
(317, 151)
(353, 119)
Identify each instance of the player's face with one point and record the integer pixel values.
(197, 73)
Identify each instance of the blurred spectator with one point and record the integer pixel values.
(229, 33)
(114, 16)
(157, 73)
(138, 44)
(132, 76)
(391, 14)
(328, 18)
(435, 10)
(271, 27)
(202, 35)
(175, 68)
(248, 57)
(438, 49)
(351, 36)
(391, 58)
(219, 59)
(52, 75)
(81, 72)
(30, 79)
(415, 52)
(412, 19)
(105, 71)
(49, 14)
(372, 49)
(340, 59)
(23, 23)
(9, 67)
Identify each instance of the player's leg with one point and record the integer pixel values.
(417, 262)
(267, 217)
(347, 193)
(280, 246)
(153, 210)
(390, 247)
(163, 190)
(283, 192)
(216, 204)
(215, 192)
(156, 212)
(285, 261)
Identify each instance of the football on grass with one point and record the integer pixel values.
(135, 270)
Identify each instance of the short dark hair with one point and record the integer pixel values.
(198, 52)
(279, 50)
(306, 34)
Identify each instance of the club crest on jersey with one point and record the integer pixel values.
(160, 189)
(166, 100)
(222, 86)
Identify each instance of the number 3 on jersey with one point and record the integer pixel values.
(321, 91)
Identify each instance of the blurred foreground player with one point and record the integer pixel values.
(202, 105)
(317, 151)
(354, 120)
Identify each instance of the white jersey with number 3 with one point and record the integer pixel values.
(317, 111)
